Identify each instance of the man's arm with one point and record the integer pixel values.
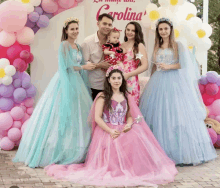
(86, 52)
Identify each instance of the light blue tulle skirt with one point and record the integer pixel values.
(42, 144)
(176, 118)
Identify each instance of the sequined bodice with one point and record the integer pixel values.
(116, 115)
(165, 56)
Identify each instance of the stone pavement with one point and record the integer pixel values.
(206, 175)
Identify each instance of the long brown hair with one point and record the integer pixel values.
(108, 89)
(64, 35)
(139, 37)
(159, 40)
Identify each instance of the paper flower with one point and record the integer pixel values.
(139, 55)
(30, 4)
(6, 71)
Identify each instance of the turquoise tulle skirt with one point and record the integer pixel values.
(42, 142)
(176, 118)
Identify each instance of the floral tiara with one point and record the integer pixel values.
(164, 19)
(70, 20)
(110, 69)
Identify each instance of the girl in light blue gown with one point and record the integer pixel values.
(171, 102)
(57, 131)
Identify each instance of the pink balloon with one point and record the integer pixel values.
(217, 144)
(13, 51)
(23, 108)
(13, 16)
(25, 36)
(217, 118)
(30, 59)
(213, 135)
(4, 133)
(211, 89)
(20, 64)
(208, 99)
(201, 88)
(210, 111)
(17, 113)
(6, 144)
(216, 107)
(29, 102)
(66, 3)
(26, 117)
(212, 116)
(17, 124)
(49, 6)
(14, 134)
(24, 126)
(7, 39)
(24, 54)
(6, 121)
(17, 143)
(30, 111)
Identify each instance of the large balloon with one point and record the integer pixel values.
(13, 16)
(6, 144)
(25, 36)
(6, 121)
(7, 39)
(6, 104)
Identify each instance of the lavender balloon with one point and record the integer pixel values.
(39, 10)
(16, 75)
(26, 83)
(6, 91)
(43, 21)
(34, 16)
(17, 83)
(6, 104)
(19, 95)
(203, 80)
(49, 15)
(30, 23)
(218, 81)
(35, 29)
(212, 76)
(31, 92)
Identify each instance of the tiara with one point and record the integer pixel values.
(110, 69)
(70, 20)
(164, 19)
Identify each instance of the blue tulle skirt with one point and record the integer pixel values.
(42, 143)
(175, 117)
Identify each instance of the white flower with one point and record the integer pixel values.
(6, 71)
(30, 4)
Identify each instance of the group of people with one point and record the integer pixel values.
(119, 138)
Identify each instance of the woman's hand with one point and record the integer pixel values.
(127, 128)
(89, 66)
(114, 133)
(164, 66)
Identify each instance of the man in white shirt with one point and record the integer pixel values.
(92, 53)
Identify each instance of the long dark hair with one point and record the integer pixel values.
(139, 37)
(64, 35)
(108, 89)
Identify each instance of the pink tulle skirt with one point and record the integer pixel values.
(134, 158)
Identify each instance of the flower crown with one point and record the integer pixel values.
(70, 20)
(115, 29)
(164, 19)
(110, 69)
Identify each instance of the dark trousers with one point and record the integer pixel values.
(95, 93)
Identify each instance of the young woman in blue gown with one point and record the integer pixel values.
(171, 102)
(58, 132)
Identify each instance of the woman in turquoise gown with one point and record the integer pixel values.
(171, 102)
(58, 132)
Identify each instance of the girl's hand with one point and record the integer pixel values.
(127, 128)
(114, 133)
(164, 66)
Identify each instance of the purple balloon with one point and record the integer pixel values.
(39, 10)
(49, 15)
(6, 91)
(212, 76)
(19, 95)
(6, 104)
(203, 80)
(31, 92)
(30, 23)
(35, 29)
(34, 16)
(43, 21)
(26, 83)
(17, 83)
(16, 75)
(218, 81)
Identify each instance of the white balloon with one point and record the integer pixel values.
(146, 22)
(151, 7)
(190, 8)
(7, 80)
(35, 2)
(4, 62)
(30, 7)
(10, 70)
(207, 28)
(164, 3)
(182, 40)
(200, 57)
(196, 22)
(204, 44)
